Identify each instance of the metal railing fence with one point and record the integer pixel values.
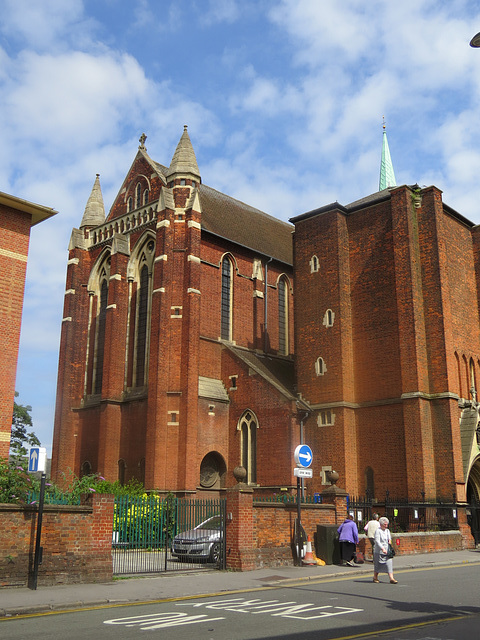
(406, 515)
(144, 530)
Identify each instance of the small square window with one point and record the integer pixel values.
(326, 418)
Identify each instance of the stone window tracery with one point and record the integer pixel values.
(248, 426)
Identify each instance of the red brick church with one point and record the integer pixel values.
(177, 359)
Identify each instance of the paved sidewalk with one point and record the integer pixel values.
(20, 601)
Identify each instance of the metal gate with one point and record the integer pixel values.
(153, 534)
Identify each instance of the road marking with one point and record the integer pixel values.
(275, 608)
(285, 584)
(161, 620)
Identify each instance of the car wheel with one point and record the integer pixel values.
(215, 552)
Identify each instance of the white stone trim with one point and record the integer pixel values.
(73, 261)
(163, 223)
(190, 290)
(159, 290)
(258, 294)
(70, 291)
(13, 254)
(116, 276)
(160, 258)
(192, 258)
(111, 306)
(194, 224)
(69, 319)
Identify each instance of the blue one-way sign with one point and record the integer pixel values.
(303, 456)
(33, 459)
(36, 459)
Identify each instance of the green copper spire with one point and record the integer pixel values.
(387, 176)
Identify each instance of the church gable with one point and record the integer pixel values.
(141, 186)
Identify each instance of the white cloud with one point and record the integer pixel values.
(75, 99)
(40, 23)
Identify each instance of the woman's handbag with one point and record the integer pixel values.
(390, 552)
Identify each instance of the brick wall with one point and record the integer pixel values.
(260, 534)
(76, 541)
(420, 542)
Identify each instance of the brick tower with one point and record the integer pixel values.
(388, 343)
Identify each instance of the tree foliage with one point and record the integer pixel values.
(20, 436)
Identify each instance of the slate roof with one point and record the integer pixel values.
(279, 372)
(236, 221)
(212, 389)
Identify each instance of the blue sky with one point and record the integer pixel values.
(283, 99)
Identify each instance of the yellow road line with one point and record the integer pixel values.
(413, 625)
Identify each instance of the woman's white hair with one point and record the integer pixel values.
(383, 520)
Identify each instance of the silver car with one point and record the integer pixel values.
(203, 542)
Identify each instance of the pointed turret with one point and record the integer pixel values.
(387, 175)
(184, 163)
(94, 211)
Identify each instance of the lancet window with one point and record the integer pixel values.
(248, 426)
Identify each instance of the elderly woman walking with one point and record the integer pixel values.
(381, 561)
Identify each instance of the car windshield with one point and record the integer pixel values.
(212, 523)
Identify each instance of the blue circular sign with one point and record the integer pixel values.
(303, 456)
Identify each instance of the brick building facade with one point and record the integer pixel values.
(17, 216)
(177, 363)
(176, 357)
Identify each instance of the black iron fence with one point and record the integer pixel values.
(406, 515)
(153, 534)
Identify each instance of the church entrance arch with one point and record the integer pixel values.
(473, 498)
(213, 471)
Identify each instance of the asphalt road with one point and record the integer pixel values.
(436, 602)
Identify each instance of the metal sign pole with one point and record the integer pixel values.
(299, 521)
(38, 548)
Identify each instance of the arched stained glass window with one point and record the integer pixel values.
(283, 316)
(100, 337)
(142, 326)
(140, 274)
(226, 300)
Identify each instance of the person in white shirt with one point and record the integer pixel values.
(370, 528)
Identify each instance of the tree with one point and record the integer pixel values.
(22, 420)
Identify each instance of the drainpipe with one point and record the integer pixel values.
(265, 324)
